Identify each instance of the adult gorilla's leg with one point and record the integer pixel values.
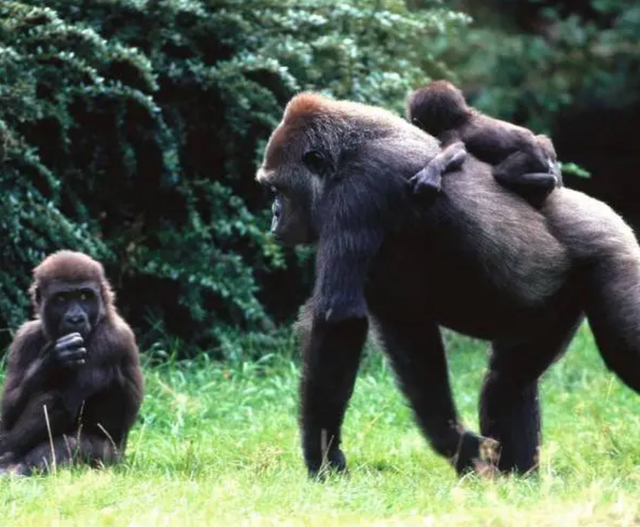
(417, 354)
(509, 406)
(608, 257)
(613, 311)
(331, 355)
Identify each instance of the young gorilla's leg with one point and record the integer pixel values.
(418, 357)
(67, 450)
(331, 354)
(509, 406)
(429, 180)
(527, 176)
(33, 425)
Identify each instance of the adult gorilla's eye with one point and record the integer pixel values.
(60, 298)
(276, 208)
(314, 161)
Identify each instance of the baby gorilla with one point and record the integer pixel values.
(73, 386)
(522, 162)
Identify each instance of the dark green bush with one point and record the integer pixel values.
(133, 131)
(527, 62)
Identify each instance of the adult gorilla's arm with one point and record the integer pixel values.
(336, 320)
(331, 354)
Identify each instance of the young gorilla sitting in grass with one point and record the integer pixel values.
(73, 386)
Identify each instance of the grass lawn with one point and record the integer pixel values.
(220, 447)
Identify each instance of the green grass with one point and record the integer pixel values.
(220, 447)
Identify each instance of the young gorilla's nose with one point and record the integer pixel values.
(75, 317)
(76, 320)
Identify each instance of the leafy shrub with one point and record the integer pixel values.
(134, 128)
(528, 60)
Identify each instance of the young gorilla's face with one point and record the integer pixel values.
(70, 308)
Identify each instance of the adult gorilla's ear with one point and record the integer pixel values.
(318, 163)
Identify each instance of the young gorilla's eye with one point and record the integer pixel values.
(60, 298)
(314, 161)
(85, 295)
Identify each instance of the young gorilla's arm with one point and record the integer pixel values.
(127, 389)
(429, 180)
(32, 364)
(111, 385)
(25, 371)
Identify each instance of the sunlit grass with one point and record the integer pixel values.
(219, 446)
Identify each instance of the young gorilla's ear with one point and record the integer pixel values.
(318, 163)
(37, 294)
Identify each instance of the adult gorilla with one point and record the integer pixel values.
(478, 259)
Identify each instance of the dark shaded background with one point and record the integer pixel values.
(132, 132)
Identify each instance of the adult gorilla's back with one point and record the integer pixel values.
(477, 259)
(487, 260)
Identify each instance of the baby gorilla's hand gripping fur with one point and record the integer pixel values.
(428, 181)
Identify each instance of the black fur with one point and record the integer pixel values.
(478, 260)
(522, 161)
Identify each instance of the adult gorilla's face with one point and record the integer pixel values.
(296, 172)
